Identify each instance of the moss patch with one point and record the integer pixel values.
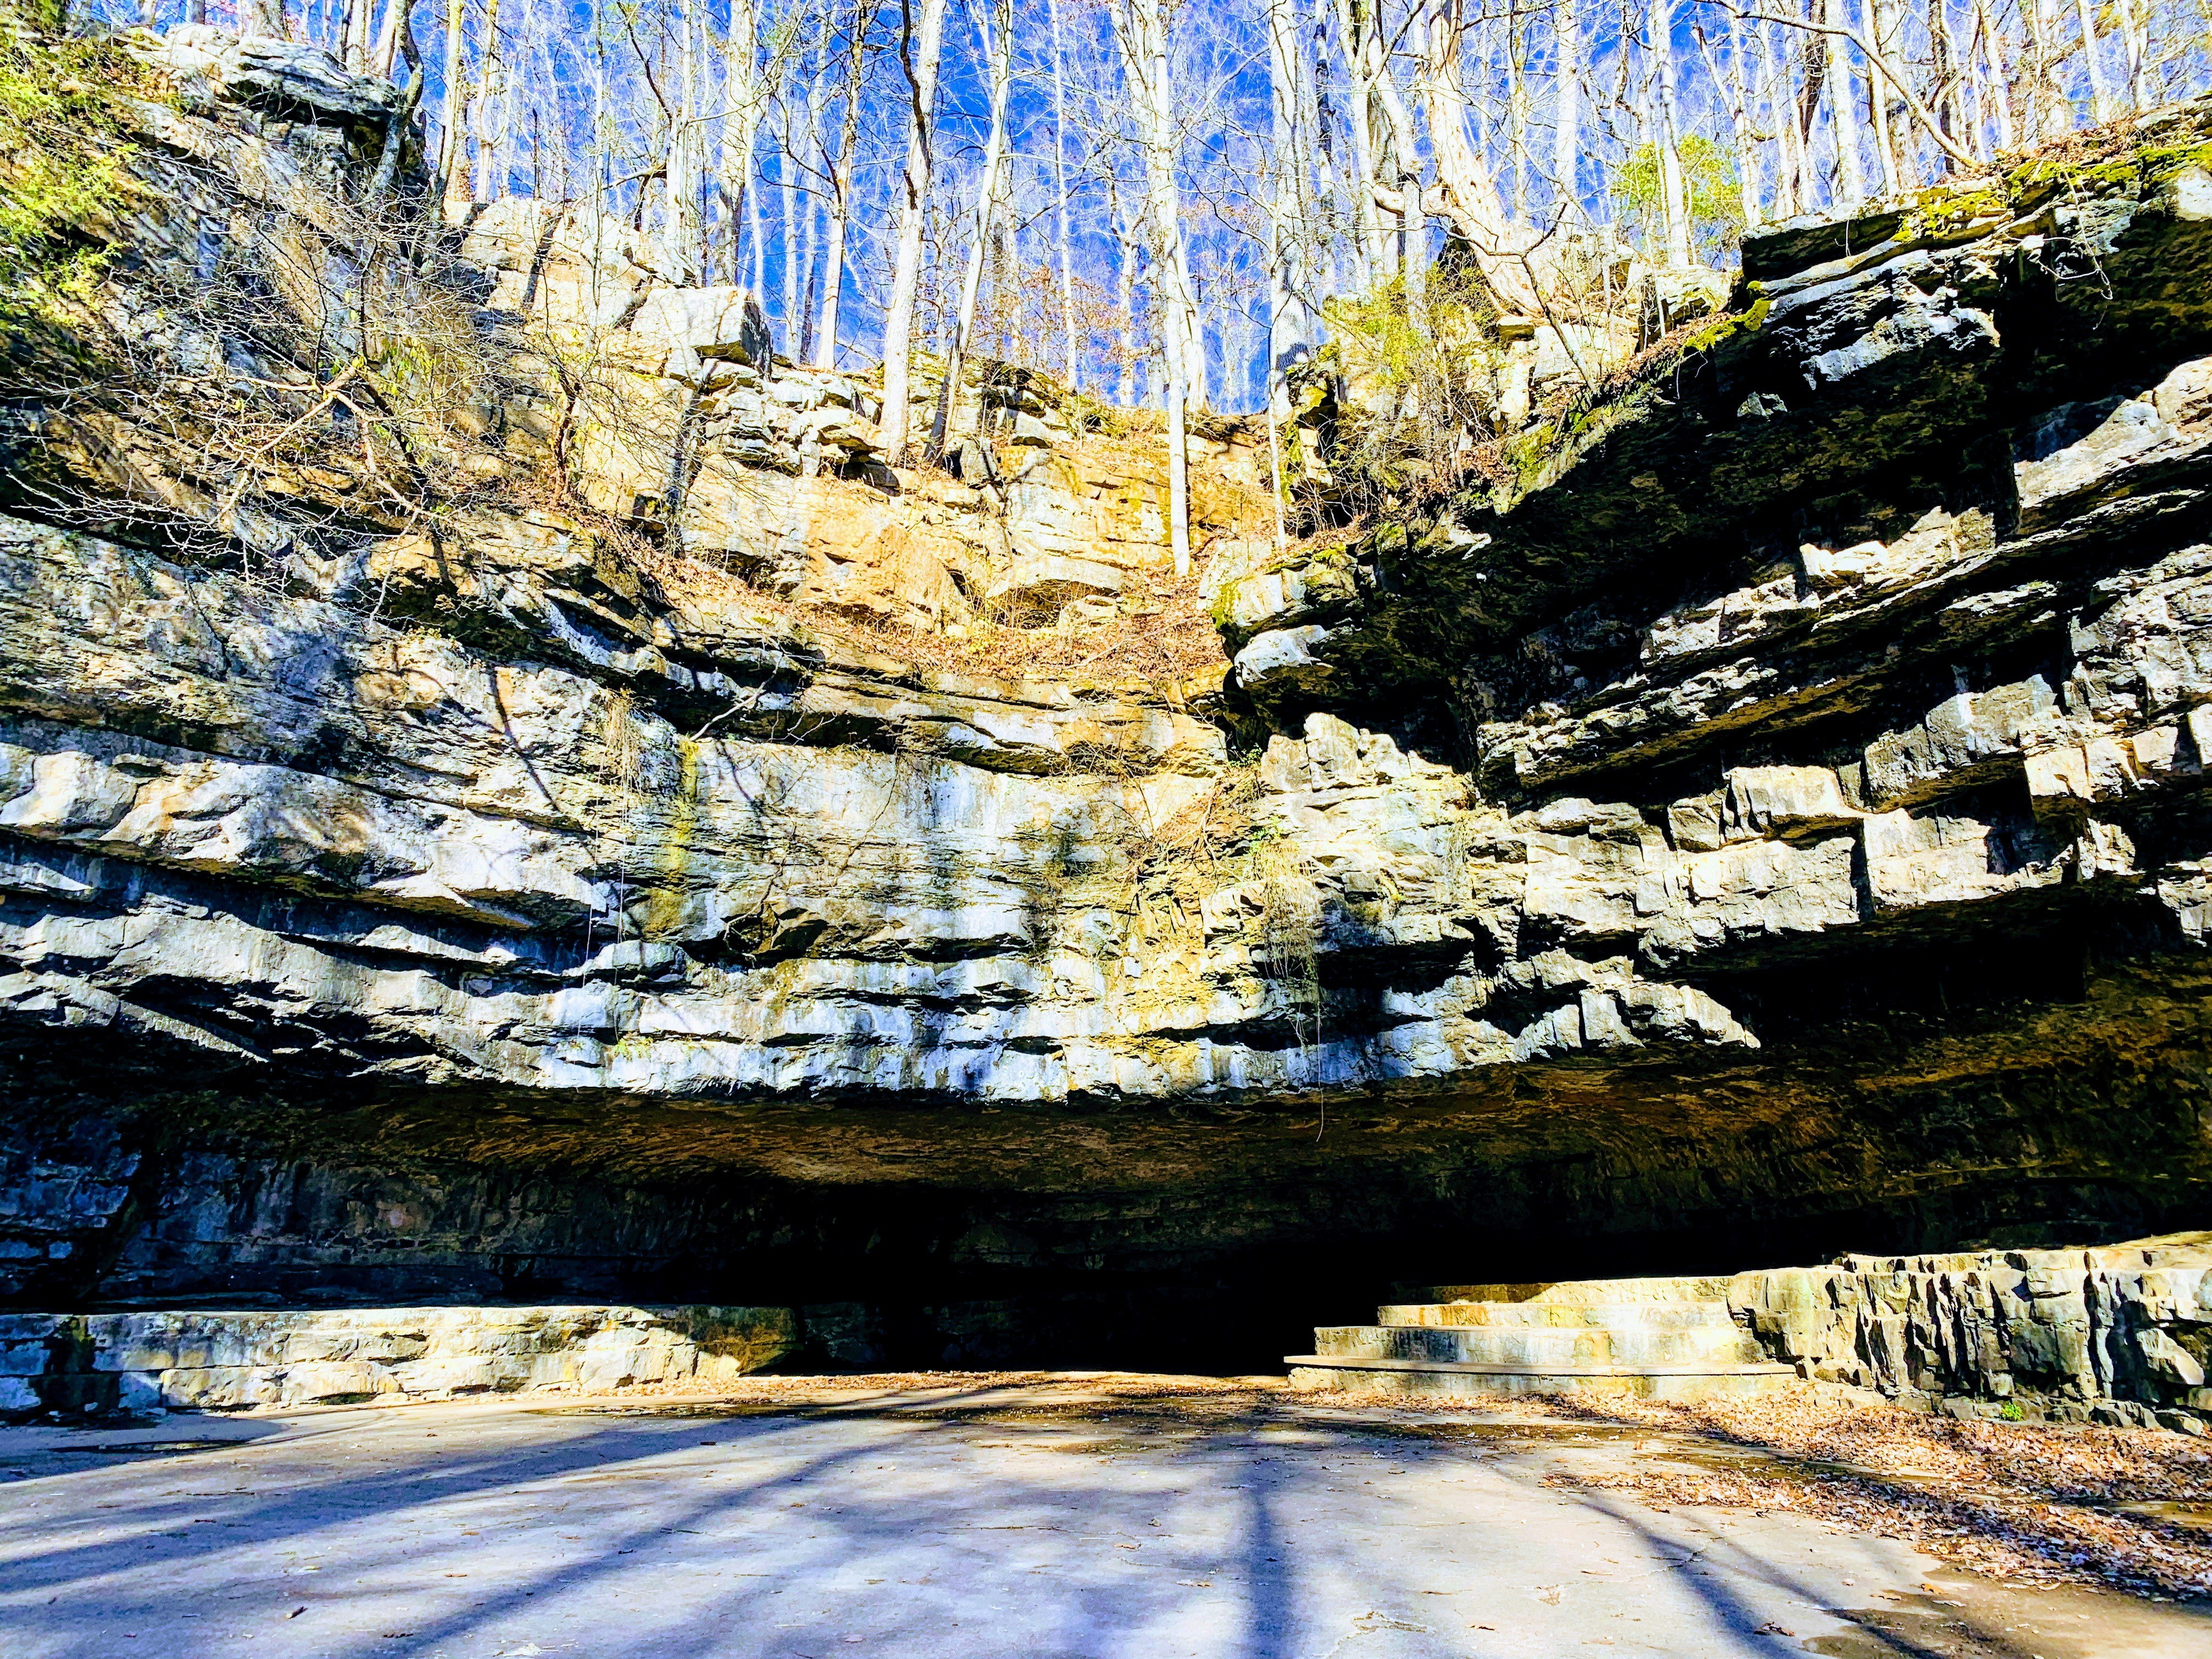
(64, 170)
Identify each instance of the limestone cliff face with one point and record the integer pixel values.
(1773, 824)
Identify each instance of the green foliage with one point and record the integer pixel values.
(1939, 212)
(1420, 363)
(1728, 325)
(1708, 176)
(2044, 177)
(63, 171)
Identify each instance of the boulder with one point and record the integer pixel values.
(277, 77)
(723, 325)
(1675, 294)
(1035, 590)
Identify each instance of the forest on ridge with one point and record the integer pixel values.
(1157, 201)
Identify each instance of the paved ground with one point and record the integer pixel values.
(965, 1524)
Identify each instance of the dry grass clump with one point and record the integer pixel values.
(1168, 637)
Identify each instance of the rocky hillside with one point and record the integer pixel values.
(560, 834)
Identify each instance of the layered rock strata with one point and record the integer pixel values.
(2119, 1335)
(1774, 825)
(231, 1359)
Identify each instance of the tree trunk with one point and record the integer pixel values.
(1876, 105)
(2049, 113)
(394, 37)
(354, 28)
(485, 180)
(1291, 322)
(1140, 27)
(1125, 288)
(1465, 192)
(1730, 84)
(1353, 28)
(1567, 140)
(998, 50)
(453, 142)
(786, 166)
(1400, 160)
(745, 99)
(1897, 119)
(812, 232)
(1059, 194)
(921, 69)
(1292, 326)
(2101, 96)
(2134, 33)
(681, 166)
(1674, 191)
(841, 188)
(2000, 75)
(1781, 98)
(1843, 115)
(1943, 64)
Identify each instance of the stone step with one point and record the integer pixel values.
(1541, 1345)
(1584, 1291)
(1686, 1383)
(1654, 1315)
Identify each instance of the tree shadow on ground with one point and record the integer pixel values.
(767, 1530)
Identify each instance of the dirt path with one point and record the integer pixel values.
(1034, 1515)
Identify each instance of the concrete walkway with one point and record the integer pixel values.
(962, 1523)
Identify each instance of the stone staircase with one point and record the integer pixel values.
(1658, 1339)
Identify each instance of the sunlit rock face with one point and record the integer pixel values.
(1775, 826)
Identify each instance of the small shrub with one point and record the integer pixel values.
(63, 170)
(1419, 362)
(1709, 176)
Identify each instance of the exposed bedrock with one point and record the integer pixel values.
(1776, 826)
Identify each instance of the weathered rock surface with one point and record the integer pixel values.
(687, 424)
(224, 1359)
(1779, 827)
(2116, 1334)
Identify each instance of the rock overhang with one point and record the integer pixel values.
(1790, 695)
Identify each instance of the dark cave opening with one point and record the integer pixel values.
(923, 1280)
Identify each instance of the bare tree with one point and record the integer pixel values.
(997, 39)
(841, 203)
(1466, 192)
(918, 61)
(1140, 29)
